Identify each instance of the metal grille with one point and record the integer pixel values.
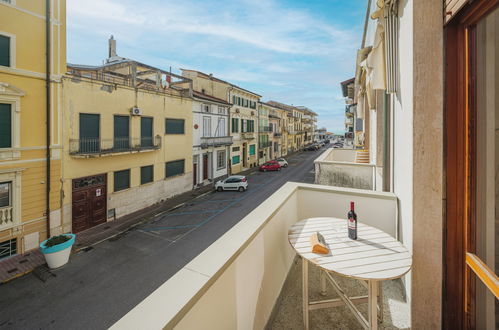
(8, 248)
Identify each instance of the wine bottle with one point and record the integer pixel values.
(352, 222)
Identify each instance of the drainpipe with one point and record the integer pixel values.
(47, 111)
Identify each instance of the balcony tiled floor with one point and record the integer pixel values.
(288, 314)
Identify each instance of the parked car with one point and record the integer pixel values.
(311, 147)
(282, 162)
(270, 166)
(233, 182)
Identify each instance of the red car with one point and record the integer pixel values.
(270, 166)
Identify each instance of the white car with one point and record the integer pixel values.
(234, 182)
(282, 162)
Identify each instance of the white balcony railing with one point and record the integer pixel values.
(216, 141)
(235, 282)
(6, 217)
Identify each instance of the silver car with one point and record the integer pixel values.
(234, 182)
(282, 162)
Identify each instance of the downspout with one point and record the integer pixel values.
(47, 111)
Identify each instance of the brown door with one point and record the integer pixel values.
(471, 249)
(194, 173)
(205, 166)
(89, 202)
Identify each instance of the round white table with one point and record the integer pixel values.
(375, 256)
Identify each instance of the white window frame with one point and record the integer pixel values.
(12, 46)
(13, 176)
(221, 127)
(12, 95)
(205, 108)
(207, 119)
(221, 110)
(222, 153)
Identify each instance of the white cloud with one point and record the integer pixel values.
(283, 53)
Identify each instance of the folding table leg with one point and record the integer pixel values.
(373, 305)
(380, 302)
(305, 292)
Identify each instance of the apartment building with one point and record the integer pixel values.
(127, 139)
(265, 134)
(211, 139)
(32, 60)
(278, 133)
(309, 125)
(244, 129)
(347, 88)
(291, 123)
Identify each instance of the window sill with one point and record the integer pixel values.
(7, 154)
(173, 176)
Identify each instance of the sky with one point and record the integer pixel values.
(291, 51)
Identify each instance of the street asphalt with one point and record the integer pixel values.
(101, 285)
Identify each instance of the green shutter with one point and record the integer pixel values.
(146, 174)
(146, 132)
(252, 150)
(235, 160)
(121, 132)
(121, 180)
(89, 132)
(174, 168)
(4, 51)
(174, 126)
(5, 125)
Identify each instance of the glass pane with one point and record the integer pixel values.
(487, 144)
(5, 194)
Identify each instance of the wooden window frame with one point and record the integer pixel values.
(459, 306)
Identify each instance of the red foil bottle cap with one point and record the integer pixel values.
(351, 205)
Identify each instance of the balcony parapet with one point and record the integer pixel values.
(6, 217)
(87, 148)
(216, 141)
(219, 288)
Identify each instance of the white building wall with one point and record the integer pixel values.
(402, 141)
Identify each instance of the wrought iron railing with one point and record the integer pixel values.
(87, 146)
(216, 141)
(264, 144)
(277, 134)
(248, 135)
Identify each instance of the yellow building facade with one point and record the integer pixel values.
(127, 140)
(30, 116)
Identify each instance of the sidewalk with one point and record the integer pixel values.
(19, 265)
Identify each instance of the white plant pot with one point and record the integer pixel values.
(57, 255)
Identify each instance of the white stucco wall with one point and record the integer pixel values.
(402, 141)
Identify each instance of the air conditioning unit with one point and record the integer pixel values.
(135, 111)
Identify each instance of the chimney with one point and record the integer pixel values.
(112, 47)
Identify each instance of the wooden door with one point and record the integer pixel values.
(194, 173)
(89, 203)
(205, 166)
(468, 276)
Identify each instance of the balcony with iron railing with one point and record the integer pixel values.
(216, 141)
(248, 135)
(265, 129)
(92, 147)
(264, 144)
(250, 278)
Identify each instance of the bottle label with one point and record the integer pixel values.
(352, 224)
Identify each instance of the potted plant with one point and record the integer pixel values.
(57, 249)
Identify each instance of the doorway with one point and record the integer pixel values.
(89, 202)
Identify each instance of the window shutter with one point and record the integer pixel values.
(174, 168)
(146, 131)
(121, 180)
(5, 125)
(174, 126)
(4, 51)
(146, 174)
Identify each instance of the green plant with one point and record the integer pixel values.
(57, 240)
